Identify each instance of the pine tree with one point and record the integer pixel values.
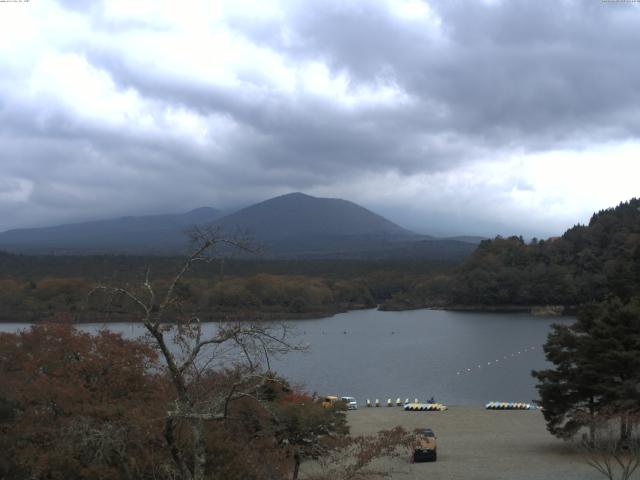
(596, 369)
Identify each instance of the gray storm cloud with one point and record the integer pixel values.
(423, 111)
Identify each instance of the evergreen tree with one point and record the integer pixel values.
(597, 368)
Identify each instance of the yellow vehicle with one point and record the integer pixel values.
(425, 449)
(329, 401)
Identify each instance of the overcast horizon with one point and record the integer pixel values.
(479, 117)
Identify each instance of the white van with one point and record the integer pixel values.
(350, 402)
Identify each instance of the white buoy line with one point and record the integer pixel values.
(491, 363)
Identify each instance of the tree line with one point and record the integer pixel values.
(259, 296)
(34, 288)
(586, 263)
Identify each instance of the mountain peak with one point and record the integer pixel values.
(294, 195)
(298, 215)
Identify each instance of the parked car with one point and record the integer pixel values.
(425, 449)
(329, 401)
(350, 402)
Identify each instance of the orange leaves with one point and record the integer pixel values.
(60, 381)
(296, 397)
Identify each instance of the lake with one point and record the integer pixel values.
(459, 358)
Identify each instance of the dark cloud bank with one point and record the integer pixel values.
(408, 95)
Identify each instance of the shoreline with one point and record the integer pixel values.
(535, 310)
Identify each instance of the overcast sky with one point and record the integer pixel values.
(448, 116)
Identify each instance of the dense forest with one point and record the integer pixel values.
(585, 264)
(35, 288)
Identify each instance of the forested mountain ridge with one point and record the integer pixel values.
(585, 264)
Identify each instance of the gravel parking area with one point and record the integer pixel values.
(474, 443)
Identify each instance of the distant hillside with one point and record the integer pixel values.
(153, 233)
(290, 226)
(467, 239)
(585, 264)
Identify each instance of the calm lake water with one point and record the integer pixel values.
(458, 358)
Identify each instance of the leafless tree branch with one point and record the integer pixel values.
(197, 398)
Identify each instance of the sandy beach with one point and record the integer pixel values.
(474, 443)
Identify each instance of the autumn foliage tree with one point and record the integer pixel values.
(75, 405)
(351, 457)
(305, 428)
(78, 405)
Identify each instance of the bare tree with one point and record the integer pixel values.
(350, 457)
(614, 455)
(191, 353)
